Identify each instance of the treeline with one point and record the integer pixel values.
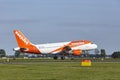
(97, 54)
(2, 53)
(116, 54)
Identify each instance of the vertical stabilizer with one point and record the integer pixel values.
(24, 44)
(21, 39)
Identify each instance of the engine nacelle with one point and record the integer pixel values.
(77, 52)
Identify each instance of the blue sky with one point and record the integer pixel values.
(45, 21)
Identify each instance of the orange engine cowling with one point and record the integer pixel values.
(77, 52)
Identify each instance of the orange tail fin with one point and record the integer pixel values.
(21, 39)
(24, 44)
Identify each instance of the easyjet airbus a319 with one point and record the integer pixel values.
(72, 47)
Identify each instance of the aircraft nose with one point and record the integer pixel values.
(94, 46)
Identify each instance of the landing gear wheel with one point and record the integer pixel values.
(62, 58)
(55, 57)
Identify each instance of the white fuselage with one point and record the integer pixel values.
(49, 47)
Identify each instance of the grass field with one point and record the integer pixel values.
(60, 71)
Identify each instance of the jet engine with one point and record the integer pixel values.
(77, 52)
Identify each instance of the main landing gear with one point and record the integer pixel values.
(56, 57)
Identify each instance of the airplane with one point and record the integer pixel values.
(63, 48)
